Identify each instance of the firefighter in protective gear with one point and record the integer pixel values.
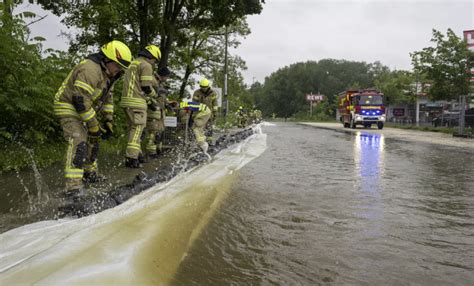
(241, 117)
(156, 118)
(85, 93)
(256, 116)
(139, 95)
(200, 113)
(205, 94)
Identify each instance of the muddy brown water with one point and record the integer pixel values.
(325, 207)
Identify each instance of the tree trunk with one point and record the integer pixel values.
(143, 18)
(187, 73)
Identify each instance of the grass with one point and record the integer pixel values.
(17, 156)
(446, 130)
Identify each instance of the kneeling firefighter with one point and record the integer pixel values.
(139, 95)
(200, 114)
(85, 92)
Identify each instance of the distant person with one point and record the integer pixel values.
(85, 92)
(241, 117)
(138, 96)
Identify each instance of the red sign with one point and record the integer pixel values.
(314, 97)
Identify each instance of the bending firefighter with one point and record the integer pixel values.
(241, 117)
(156, 118)
(139, 95)
(85, 93)
(200, 114)
(205, 94)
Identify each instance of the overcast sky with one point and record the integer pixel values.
(290, 31)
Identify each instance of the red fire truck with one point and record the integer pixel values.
(361, 107)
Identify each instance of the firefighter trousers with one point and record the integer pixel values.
(200, 121)
(154, 127)
(81, 155)
(136, 124)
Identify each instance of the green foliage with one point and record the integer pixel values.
(397, 86)
(446, 65)
(30, 78)
(284, 91)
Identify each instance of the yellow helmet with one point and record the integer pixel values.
(154, 51)
(118, 52)
(204, 83)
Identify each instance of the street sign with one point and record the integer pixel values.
(314, 97)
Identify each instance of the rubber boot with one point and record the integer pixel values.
(132, 163)
(93, 177)
(142, 158)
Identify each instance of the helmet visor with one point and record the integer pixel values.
(123, 63)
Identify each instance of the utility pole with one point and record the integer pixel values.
(226, 101)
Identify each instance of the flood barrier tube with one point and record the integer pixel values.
(99, 201)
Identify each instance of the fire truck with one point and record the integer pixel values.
(361, 107)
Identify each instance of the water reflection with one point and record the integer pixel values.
(369, 166)
(369, 159)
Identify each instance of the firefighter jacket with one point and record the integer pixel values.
(209, 98)
(138, 76)
(86, 90)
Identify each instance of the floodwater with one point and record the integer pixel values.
(325, 207)
(293, 206)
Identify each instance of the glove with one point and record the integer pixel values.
(152, 104)
(162, 91)
(107, 130)
(94, 134)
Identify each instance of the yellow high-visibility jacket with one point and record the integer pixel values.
(209, 98)
(83, 89)
(139, 74)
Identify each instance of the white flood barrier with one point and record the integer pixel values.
(140, 242)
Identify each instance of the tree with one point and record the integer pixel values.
(397, 86)
(446, 65)
(141, 22)
(204, 51)
(29, 78)
(283, 92)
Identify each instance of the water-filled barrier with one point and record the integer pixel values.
(140, 241)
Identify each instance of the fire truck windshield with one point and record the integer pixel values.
(370, 99)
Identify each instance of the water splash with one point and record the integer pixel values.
(31, 205)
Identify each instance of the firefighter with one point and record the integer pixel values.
(85, 92)
(241, 117)
(138, 96)
(200, 114)
(205, 94)
(156, 119)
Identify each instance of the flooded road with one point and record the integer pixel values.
(320, 206)
(294, 206)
